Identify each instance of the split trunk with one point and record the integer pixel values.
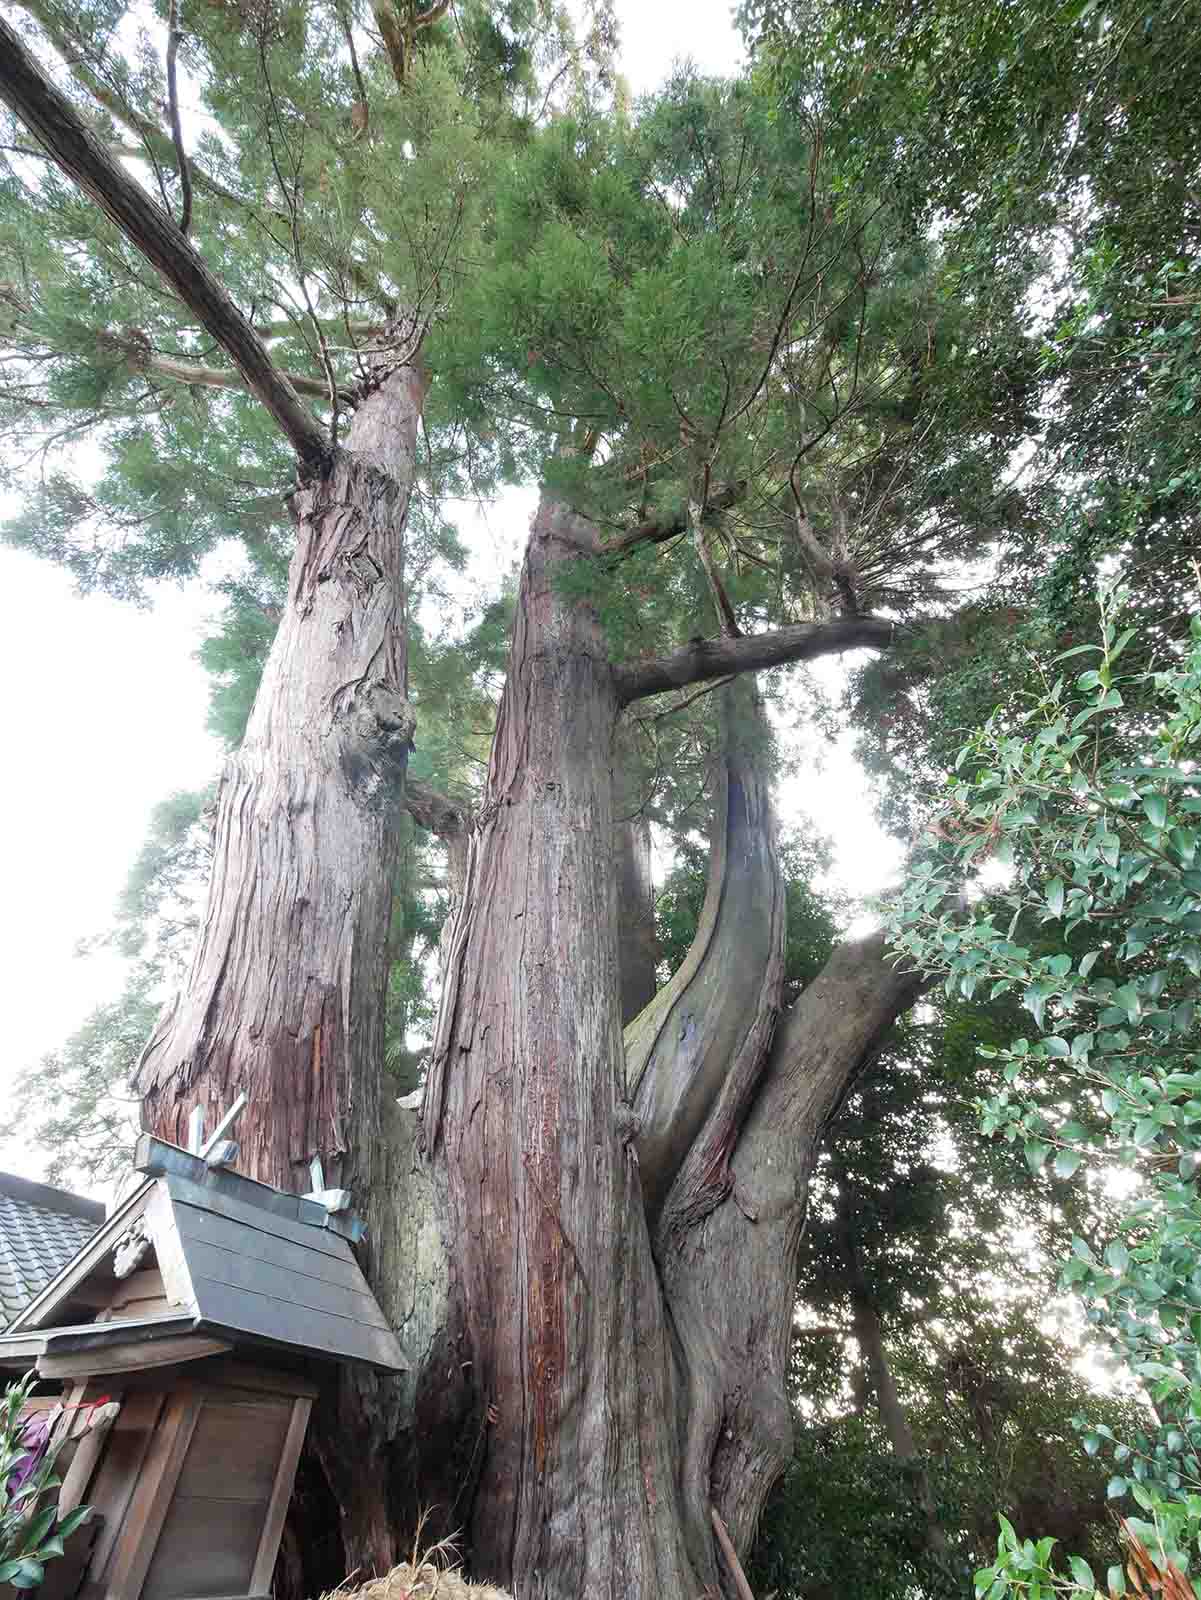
(587, 1241)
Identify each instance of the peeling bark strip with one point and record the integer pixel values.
(52, 118)
(284, 998)
(577, 1488)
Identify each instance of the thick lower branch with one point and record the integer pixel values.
(48, 114)
(694, 1056)
(716, 658)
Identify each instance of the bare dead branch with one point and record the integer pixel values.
(741, 1587)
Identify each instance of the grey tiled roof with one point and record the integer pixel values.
(40, 1230)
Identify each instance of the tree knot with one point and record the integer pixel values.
(377, 727)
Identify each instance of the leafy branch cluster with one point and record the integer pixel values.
(1097, 829)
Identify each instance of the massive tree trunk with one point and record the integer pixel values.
(285, 996)
(525, 1114)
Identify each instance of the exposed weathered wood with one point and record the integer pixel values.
(51, 117)
(129, 1442)
(207, 1546)
(152, 1496)
(87, 1454)
(236, 1448)
(281, 1493)
(705, 659)
(133, 1357)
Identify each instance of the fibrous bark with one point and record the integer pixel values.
(627, 1351)
(731, 1281)
(595, 1296)
(523, 1111)
(284, 997)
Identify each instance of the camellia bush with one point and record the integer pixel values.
(1089, 798)
(31, 1530)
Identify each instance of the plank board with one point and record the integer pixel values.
(207, 1547)
(281, 1494)
(204, 1227)
(235, 1451)
(282, 1322)
(226, 1264)
(127, 1447)
(151, 1499)
(136, 1355)
(184, 1192)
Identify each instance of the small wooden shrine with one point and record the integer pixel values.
(206, 1307)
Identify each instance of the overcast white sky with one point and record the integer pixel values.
(104, 708)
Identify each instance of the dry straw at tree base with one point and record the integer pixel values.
(423, 1581)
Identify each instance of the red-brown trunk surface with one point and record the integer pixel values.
(284, 998)
(524, 1108)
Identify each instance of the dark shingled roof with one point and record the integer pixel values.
(240, 1261)
(40, 1230)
